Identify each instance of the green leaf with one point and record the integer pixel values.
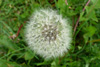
(3, 64)
(71, 13)
(53, 64)
(0, 2)
(90, 31)
(6, 42)
(91, 13)
(61, 4)
(25, 14)
(7, 26)
(96, 3)
(29, 55)
(82, 18)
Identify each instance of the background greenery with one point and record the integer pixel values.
(85, 50)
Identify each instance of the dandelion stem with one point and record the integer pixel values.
(19, 30)
(79, 17)
(66, 2)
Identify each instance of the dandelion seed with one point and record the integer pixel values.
(48, 34)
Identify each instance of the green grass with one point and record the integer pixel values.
(85, 49)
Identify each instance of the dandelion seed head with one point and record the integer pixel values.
(48, 34)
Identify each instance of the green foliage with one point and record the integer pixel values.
(7, 43)
(89, 32)
(0, 2)
(29, 55)
(5, 63)
(92, 14)
(96, 3)
(85, 49)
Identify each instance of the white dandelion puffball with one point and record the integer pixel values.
(48, 34)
